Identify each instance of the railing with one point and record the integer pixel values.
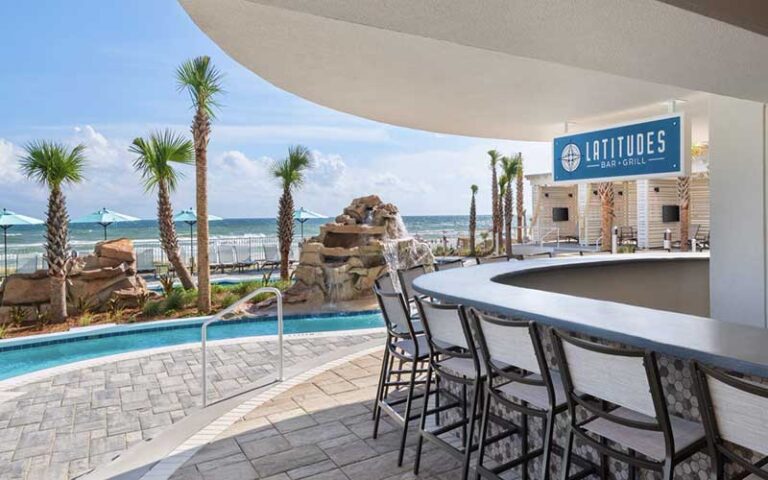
(222, 316)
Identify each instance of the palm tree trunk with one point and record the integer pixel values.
(684, 196)
(472, 225)
(520, 212)
(285, 230)
(605, 191)
(168, 236)
(57, 252)
(201, 129)
(508, 219)
(495, 213)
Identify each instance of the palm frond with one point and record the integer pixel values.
(53, 163)
(156, 156)
(202, 81)
(290, 170)
(495, 157)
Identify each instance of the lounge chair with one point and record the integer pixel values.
(213, 257)
(702, 239)
(227, 257)
(145, 261)
(271, 258)
(27, 264)
(243, 257)
(627, 235)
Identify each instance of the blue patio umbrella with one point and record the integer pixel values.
(189, 216)
(105, 218)
(302, 215)
(9, 219)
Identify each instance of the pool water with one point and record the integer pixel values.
(38, 357)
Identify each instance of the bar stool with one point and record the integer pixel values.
(734, 411)
(439, 267)
(630, 410)
(453, 357)
(406, 277)
(408, 347)
(530, 388)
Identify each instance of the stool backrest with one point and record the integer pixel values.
(395, 313)
(449, 265)
(734, 410)
(508, 342)
(622, 376)
(385, 284)
(407, 277)
(448, 336)
(495, 259)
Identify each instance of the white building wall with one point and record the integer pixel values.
(737, 148)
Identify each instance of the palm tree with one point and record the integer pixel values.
(202, 81)
(509, 169)
(605, 191)
(290, 173)
(472, 221)
(684, 199)
(495, 212)
(155, 160)
(503, 183)
(519, 192)
(54, 165)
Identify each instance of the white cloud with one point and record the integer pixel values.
(9, 163)
(419, 182)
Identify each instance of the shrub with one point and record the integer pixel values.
(166, 281)
(174, 301)
(152, 309)
(85, 319)
(3, 330)
(189, 297)
(18, 315)
(228, 300)
(217, 289)
(244, 288)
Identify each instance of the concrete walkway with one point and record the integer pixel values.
(318, 430)
(63, 425)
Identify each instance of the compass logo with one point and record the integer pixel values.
(570, 157)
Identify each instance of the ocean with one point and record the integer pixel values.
(30, 238)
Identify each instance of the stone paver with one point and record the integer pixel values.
(68, 424)
(319, 430)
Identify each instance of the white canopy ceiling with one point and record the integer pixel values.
(493, 68)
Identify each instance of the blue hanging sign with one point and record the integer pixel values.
(650, 148)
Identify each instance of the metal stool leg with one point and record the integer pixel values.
(549, 428)
(565, 473)
(383, 392)
(524, 443)
(380, 388)
(423, 421)
(483, 430)
(407, 412)
(468, 442)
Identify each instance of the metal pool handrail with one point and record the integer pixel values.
(222, 315)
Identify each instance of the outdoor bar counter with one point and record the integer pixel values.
(657, 301)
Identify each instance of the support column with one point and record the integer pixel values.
(739, 211)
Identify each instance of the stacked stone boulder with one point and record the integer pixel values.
(96, 279)
(345, 259)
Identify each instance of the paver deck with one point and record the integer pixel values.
(65, 425)
(318, 430)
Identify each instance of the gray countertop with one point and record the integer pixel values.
(724, 344)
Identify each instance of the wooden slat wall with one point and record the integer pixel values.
(625, 208)
(558, 197)
(700, 201)
(667, 195)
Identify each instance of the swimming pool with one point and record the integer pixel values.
(18, 358)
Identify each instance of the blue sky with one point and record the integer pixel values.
(100, 72)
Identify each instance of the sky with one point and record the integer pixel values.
(101, 72)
